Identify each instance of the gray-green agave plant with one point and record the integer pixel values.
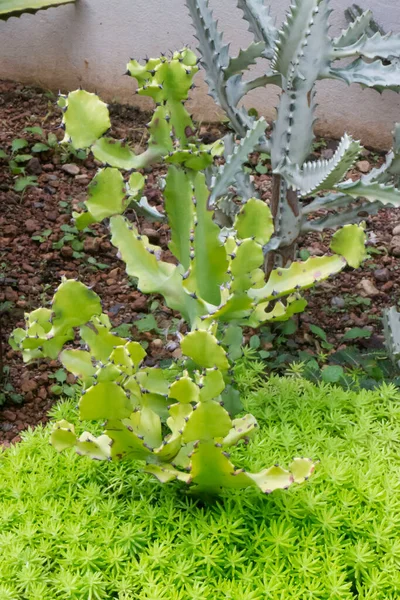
(300, 53)
(16, 8)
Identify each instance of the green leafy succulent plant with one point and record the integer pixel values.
(180, 428)
(219, 271)
(300, 54)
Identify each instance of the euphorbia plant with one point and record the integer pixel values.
(178, 426)
(300, 54)
(218, 275)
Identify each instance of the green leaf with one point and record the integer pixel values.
(319, 332)
(350, 243)
(255, 342)
(18, 144)
(356, 333)
(39, 147)
(78, 362)
(147, 323)
(106, 194)
(208, 421)
(86, 118)
(184, 390)
(22, 158)
(23, 182)
(34, 130)
(332, 374)
(202, 347)
(3, 154)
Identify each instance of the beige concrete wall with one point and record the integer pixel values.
(89, 43)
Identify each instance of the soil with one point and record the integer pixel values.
(32, 222)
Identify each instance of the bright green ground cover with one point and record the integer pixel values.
(75, 529)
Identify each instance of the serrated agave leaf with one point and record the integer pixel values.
(300, 275)
(16, 8)
(125, 443)
(210, 263)
(202, 347)
(106, 194)
(241, 429)
(292, 135)
(274, 478)
(73, 305)
(212, 470)
(391, 327)
(373, 74)
(63, 435)
(114, 153)
(209, 420)
(244, 59)
(78, 362)
(376, 46)
(355, 30)
(86, 118)
(350, 243)
(212, 385)
(184, 390)
(167, 473)
(153, 380)
(227, 172)
(301, 469)
(255, 220)
(374, 192)
(261, 24)
(325, 174)
(105, 400)
(95, 448)
(305, 22)
(179, 207)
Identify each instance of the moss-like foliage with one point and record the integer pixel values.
(71, 528)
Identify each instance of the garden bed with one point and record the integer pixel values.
(38, 246)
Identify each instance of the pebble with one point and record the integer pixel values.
(157, 343)
(382, 275)
(177, 353)
(394, 248)
(363, 166)
(34, 167)
(71, 169)
(67, 251)
(368, 288)
(152, 234)
(28, 386)
(9, 415)
(396, 230)
(91, 245)
(387, 286)
(31, 225)
(338, 302)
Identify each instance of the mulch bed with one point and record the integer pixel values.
(31, 269)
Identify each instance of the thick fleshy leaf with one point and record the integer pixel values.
(105, 400)
(125, 443)
(95, 448)
(167, 473)
(78, 362)
(106, 194)
(212, 385)
(15, 8)
(73, 305)
(350, 243)
(184, 390)
(255, 221)
(370, 74)
(153, 380)
(372, 191)
(300, 275)
(274, 478)
(63, 435)
(114, 153)
(101, 341)
(147, 424)
(203, 348)
(179, 207)
(212, 470)
(241, 429)
(86, 118)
